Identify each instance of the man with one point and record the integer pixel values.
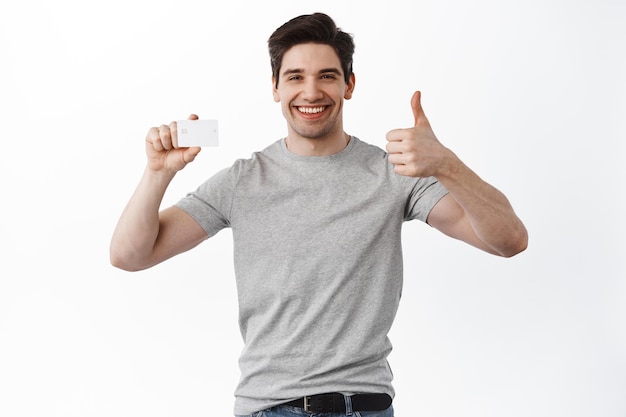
(316, 220)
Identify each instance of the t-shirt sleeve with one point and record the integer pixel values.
(211, 203)
(426, 192)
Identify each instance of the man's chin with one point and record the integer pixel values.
(313, 134)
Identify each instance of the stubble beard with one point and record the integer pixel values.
(314, 133)
(314, 130)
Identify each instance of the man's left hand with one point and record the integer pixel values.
(416, 151)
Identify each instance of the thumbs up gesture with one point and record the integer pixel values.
(416, 152)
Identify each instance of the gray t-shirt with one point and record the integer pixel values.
(318, 265)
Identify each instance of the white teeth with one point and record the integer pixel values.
(311, 110)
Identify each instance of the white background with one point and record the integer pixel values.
(531, 94)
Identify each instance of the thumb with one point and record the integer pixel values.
(193, 117)
(189, 154)
(418, 112)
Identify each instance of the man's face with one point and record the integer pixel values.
(311, 89)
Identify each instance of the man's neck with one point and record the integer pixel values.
(317, 147)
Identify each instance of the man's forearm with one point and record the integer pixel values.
(487, 209)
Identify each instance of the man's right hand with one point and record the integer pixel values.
(163, 152)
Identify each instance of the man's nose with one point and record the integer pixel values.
(312, 91)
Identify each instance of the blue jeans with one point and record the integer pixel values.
(287, 411)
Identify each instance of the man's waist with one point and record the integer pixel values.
(339, 403)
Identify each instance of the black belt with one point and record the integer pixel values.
(336, 403)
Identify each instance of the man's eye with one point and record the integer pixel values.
(294, 78)
(328, 76)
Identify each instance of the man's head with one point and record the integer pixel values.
(315, 28)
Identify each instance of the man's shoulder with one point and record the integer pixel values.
(272, 151)
(368, 148)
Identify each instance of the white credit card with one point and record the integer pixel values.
(197, 133)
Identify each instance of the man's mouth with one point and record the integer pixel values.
(311, 110)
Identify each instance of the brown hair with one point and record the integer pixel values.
(313, 28)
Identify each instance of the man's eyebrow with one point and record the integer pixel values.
(290, 71)
(331, 70)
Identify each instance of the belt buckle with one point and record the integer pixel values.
(307, 403)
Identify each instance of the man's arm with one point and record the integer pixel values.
(478, 214)
(145, 236)
(473, 211)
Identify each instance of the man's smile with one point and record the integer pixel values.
(311, 110)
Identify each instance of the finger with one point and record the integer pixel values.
(154, 138)
(395, 159)
(395, 148)
(418, 111)
(401, 169)
(165, 135)
(193, 117)
(174, 134)
(396, 135)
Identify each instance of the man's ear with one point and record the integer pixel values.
(350, 87)
(275, 90)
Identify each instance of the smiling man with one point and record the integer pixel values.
(316, 219)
